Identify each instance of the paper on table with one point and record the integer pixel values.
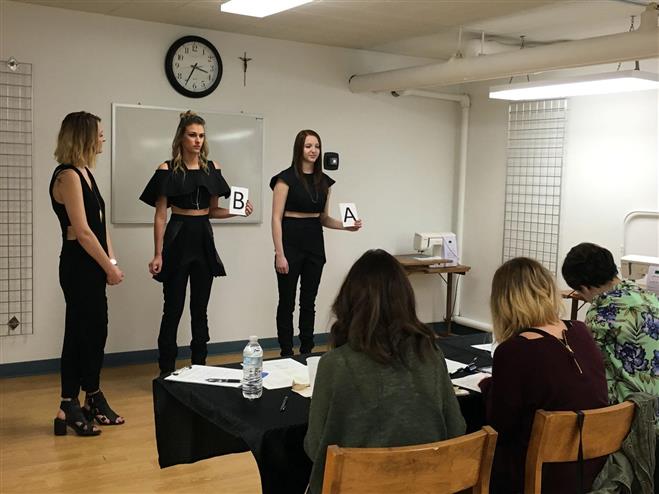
(200, 373)
(484, 346)
(277, 379)
(303, 390)
(291, 368)
(471, 381)
(453, 366)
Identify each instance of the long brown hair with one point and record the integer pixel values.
(77, 142)
(298, 154)
(188, 118)
(524, 295)
(375, 311)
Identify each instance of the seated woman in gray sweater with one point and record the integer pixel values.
(385, 382)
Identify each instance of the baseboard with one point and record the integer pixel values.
(50, 366)
(118, 359)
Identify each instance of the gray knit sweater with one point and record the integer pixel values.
(358, 402)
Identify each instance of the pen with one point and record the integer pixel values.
(221, 380)
(283, 404)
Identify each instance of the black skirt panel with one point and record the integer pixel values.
(189, 239)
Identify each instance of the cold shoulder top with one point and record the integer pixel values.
(189, 189)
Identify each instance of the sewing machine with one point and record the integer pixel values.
(437, 245)
(636, 267)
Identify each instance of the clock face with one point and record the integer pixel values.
(193, 66)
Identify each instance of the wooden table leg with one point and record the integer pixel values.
(449, 302)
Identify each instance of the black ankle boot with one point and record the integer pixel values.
(74, 419)
(100, 410)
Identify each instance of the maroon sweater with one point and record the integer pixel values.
(533, 374)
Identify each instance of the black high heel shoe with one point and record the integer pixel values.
(74, 419)
(97, 408)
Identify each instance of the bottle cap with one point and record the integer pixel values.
(253, 339)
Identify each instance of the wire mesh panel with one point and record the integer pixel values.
(15, 198)
(536, 138)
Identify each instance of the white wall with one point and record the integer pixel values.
(397, 161)
(611, 168)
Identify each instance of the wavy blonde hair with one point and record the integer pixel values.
(77, 142)
(188, 118)
(524, 295)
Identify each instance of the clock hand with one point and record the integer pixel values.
(193, 69)
(202, 70)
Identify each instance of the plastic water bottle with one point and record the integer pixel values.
(252, 365)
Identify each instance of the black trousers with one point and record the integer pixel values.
(201, 280)
(86, 324)
(305, 252)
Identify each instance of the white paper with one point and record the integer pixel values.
(293, 369)
(348, 213)
(483, 346)
(471, 381)
(200, 373)
(277, 380)
(453, 366)
(238, 200)
(304, 392)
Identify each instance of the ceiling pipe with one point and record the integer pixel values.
(463, 99)
(636, 45)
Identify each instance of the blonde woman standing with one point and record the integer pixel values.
(542, 362)
(190, 184)
(86, 264)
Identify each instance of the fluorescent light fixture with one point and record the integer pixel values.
(260, 8)
(611, 82)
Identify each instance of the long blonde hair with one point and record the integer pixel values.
(524, 295)
(188, 118)
(77, 142)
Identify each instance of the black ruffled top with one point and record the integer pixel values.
(301, 199)
(191, 189)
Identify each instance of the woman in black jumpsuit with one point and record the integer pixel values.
(190, 184)
(86, 264)
(299, 212)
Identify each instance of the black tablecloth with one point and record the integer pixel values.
(196, 421)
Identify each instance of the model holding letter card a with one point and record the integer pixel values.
(348, 213)
(238, 200)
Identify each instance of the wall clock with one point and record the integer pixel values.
(193, 66)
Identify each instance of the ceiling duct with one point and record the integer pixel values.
(636, 45)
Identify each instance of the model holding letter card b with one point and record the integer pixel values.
(238, 201)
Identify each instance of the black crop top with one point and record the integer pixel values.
(300, 198)
(191, 189)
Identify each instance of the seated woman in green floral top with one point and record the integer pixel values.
(623, 317)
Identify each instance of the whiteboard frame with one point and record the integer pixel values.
(257, 201)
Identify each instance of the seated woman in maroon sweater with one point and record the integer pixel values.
(541, 362)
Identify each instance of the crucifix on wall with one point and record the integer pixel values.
(245, 60)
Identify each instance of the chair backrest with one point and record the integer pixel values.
(441, 467)
(555, 438)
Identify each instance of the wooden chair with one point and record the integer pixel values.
(555, 438)
(441, 467)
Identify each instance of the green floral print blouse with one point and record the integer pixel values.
(625, 325)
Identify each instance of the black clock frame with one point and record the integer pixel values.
(169, 58)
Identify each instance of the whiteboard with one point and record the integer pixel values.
(142, 139)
